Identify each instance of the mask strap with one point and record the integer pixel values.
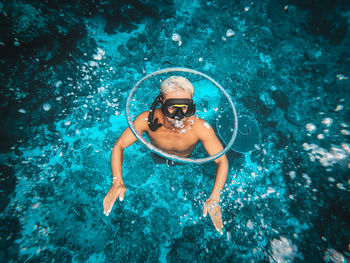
(154, 125)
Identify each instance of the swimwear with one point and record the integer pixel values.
(161, 160)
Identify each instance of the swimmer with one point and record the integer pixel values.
(174, 129)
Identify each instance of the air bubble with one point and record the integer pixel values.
(230, 33)
(47, 107)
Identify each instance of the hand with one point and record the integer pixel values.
(117, 189)
(212, 205)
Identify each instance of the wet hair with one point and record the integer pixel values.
(175, 83)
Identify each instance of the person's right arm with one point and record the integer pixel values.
(125, 140)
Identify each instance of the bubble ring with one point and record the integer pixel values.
(174, 157)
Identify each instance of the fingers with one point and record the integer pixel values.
(108, 203)
(121, 196)
(110, 199)
(219, 224)
(215, 215)
(107, 206)
(205, 210)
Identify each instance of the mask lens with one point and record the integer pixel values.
(171, 109)
(178, 108)
(184, 109)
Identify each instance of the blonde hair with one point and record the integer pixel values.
(175, 83)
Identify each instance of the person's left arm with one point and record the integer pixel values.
(212, 145)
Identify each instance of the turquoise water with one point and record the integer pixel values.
(66, 71)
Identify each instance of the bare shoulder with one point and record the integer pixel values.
(199, 123)
(202, 128)
(141, 121)
(143, 115)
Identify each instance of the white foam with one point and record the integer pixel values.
(310, 127)
(282, 250)
(176, 38)
(178, 124)
(249, 224)
(58, 84)
(341, 186)
(101, 52)
(342, 77)
(97, 57)
(93, 64)
(339, 107)
(320, 136)
(270, 190)
(336, 154)
(228, 236)
(346, 147)
(47, 107)
(345, 132)
(327, 121)
(36, 205)
(230, 33)
(333, 256)
(292, 174)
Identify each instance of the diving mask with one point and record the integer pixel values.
(178, 108)
(173, 108)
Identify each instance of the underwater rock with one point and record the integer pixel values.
(281, 99)
(7, 186)
(327, 20)
(193, 233)
(27, 21)
(48, 35)
(183, 250)
(59, 255)
(44, 190)
(208, 169)
(256, 105)
(125, 14)
(284, 20)
(283, 140)
(9, 232)
(270, 124)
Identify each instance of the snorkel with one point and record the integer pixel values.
(154, 125)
